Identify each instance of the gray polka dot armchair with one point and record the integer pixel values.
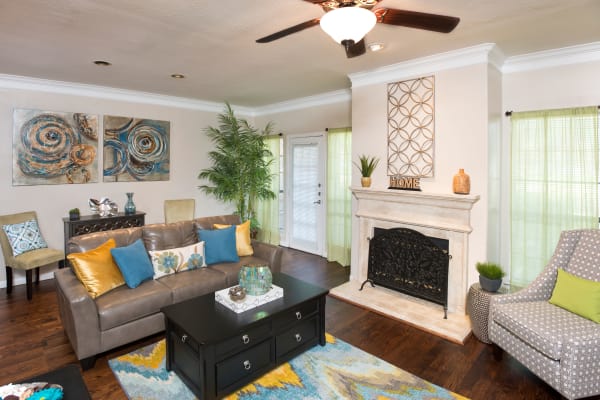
(560, 347)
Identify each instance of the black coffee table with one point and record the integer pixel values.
(69, 377)
(216, 351)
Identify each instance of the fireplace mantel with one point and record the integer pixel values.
(438, 210)
(440, 215)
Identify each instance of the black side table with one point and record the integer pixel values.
(478, 308)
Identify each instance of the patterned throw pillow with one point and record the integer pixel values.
(24, 237)
(171, 261)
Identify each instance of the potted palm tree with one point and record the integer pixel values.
(240, 165)
(366, 167)
(490, 276)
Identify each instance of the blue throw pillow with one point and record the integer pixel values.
(134, 263)
(219, 245)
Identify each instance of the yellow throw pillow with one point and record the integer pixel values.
(243, 243)
(97, 270)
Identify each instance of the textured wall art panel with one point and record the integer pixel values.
(52, 148)
(136, 149)
(411, 127)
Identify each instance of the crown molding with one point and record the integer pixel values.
(338, 96)
(483, 53)
(109, 93)
(553, 58)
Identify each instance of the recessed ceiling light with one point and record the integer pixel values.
(102, 63)
(177, 76)
(376, 46)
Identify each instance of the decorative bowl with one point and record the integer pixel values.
(256, 279)
(237, 293)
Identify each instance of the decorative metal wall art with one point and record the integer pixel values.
(411, 127)
(136, 149)
(54, 147)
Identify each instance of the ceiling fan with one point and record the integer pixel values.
(348, 21)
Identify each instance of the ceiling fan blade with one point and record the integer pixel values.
(415, 19)
(354, 49)
(289, 31)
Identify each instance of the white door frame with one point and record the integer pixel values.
(320, 137)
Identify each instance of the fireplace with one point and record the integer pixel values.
(435, 215)
(407, 261)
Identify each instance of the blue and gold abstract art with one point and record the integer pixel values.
(54, 147)
(135, 149)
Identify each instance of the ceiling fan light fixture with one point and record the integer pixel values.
(348, 23)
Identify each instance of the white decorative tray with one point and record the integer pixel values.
(249, 302)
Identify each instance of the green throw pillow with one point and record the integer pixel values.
(578, 295)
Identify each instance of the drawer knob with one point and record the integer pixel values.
(298, 337)
(246, 339)
(184, 338)
(298, 315)
(247, 365)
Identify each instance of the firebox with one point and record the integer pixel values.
(409, 262)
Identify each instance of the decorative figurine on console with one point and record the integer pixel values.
(104, 207)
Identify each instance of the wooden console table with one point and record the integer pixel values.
(96, 223)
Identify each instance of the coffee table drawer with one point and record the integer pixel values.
(296, 336)
(245, 339)
(295, 314)
(181, 336)
(241, 365)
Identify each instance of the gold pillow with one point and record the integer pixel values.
(97, 270)
(243, 243)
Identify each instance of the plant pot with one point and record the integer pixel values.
(365, 181)
(73, 216)
(490, 285)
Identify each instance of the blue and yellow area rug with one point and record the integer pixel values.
(335, 371)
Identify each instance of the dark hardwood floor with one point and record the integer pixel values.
(32, 341)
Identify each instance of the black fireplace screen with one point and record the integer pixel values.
(410, 262)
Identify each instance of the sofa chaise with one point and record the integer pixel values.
(123, 315)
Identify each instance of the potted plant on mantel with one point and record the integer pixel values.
(240, 165)
(490, 276)
(366, 167)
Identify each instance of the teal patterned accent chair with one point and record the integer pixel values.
(559, 346)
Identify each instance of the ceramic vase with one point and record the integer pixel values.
(461, 184)
(129, 205)
(365, 181)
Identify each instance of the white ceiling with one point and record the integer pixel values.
(213, 42)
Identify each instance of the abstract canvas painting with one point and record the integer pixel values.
(54, 147)
(135, 149)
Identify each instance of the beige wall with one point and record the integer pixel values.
(461, 140)
(189, 147)
(574, 85)
(308, 120)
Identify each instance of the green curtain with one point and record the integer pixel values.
(554, 183)
(267, 211)
(339, 175)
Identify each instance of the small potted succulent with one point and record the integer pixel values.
(366, 167)
(490, 276)
(74, 214)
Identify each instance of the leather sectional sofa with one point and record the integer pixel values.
(124, 315)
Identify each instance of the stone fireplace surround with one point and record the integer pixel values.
(445, 216)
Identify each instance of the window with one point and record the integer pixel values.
(554, 183)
